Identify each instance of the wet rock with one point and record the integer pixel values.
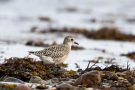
(106, 85)
(12, 79)
(132, 87)
(131, 80)
(120, 74)
(70, 81)
(22, 87)
(36, 79)
(41, 86)
(120, 83)
(7, 86)
(118, 88)
(121, 78)
(91, 78)
(65, 86)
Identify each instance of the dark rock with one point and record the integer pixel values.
(92, 78)
(42, 87)
(131, 80)
(36, 79)
(22, 87)
(65, 86)
(132, 87)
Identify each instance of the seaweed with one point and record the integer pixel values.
(104, 33)
(24, 68)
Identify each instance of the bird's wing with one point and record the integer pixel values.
(55, 51)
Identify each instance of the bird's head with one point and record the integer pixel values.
(69, 40)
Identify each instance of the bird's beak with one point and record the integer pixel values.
(76, 43)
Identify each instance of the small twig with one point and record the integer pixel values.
(77, 66)
(87, 68)
(128, 65)
(94, 64)
(88, 65)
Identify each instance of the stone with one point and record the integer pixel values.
(22, 87)
(36, 79)
(92, 78)
(132, 87)
(65, 86)
(12, 79)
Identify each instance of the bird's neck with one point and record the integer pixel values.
(69, 45)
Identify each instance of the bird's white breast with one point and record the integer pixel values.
(47, 60)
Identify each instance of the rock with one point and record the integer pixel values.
(131, 80)
(65, 86)
(106, 85)
(7, 86)
(36, 79)
(120, 83)
(71, 81)
(92, 78)
(118, 88)
(41, 87)
(12, 79)
(22, 87)
(132, 87)
(120, 74)
(109, 75)
(85, 88)
(121, 78)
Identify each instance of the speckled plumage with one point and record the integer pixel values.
(56, 53)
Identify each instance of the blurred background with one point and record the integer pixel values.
(103, 28)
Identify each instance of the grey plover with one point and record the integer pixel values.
(57, 53)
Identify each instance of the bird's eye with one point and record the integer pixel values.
(72, 39)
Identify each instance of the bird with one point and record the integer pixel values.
(56, 54)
